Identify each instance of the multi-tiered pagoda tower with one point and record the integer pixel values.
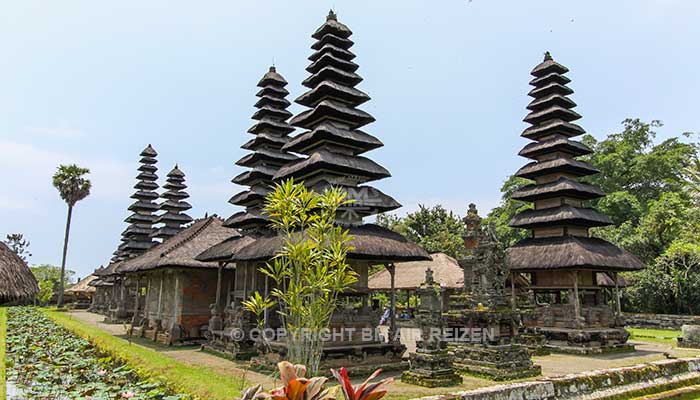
(333, 141)
(174, 206)
(561, 258)
(137, 237)
(271, 133)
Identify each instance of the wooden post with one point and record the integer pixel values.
(138, 295)
(219, 277)
(618, 306)
(512, 290)
(577, 306)
(160, 295)
(148, 297)
(392, 317)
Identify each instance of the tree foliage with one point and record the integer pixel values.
(17, 243)
(311, 269)
(434, 229)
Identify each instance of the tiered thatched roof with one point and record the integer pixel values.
(409, 275)
(173, 206)
(266, 155)
(560, 221)
(17, 283)
(181, 250)
(332, 140)
(137, 237)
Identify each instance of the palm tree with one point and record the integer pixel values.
(73, 187)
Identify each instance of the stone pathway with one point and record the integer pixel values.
(555, 364)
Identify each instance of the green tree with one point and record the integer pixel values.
(434, 229)
(692, 179)
(311, 270)
(506, 210)
(17, 243)
(49, 278)
(72, 186)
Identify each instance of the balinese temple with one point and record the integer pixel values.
(136, 238)
(332, 141)
(560, 259)
(266, 156)
(270, 132)
(333, 144)
(173, 290)
(173, 206)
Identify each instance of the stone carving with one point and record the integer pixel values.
(431, 364)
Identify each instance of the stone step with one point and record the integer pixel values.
(686, 393)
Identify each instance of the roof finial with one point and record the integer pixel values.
(331, 16)
(547, 56)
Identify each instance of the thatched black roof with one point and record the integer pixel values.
(173, 206)
(571, 252)
(267, 154)
(137, 237)
(336, 163)
(225, 250)
(181, 250)
(561, 187)
(556, 192)
(560, 144)
(564, 214)
(17, 283)
(327, 132)
(370, 242)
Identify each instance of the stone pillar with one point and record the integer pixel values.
(577, 305)
(393, 334)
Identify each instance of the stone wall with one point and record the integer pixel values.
(660, 321)
(637, 380)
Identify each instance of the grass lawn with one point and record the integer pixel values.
(3, 332)
(664, 336)
(200, 382)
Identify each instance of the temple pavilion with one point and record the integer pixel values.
(331, 148)
(561, 259)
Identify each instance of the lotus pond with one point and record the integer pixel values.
(45, 361)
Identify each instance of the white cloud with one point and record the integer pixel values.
(59, 133)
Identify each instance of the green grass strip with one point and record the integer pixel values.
(198, 381)
(3, 335)
(665, 336)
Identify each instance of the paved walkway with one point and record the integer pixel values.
(556, 364)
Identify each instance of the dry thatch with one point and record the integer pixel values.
(370, 242)
(571, 252)
(564, 214)
(83, 286)
(446, 272)
(605, 280)
(225, 250)
(17, 283)
(181, 249)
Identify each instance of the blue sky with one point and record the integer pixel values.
(94, 82)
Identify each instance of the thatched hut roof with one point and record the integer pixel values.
(182, 249)
(370, 242)
(83, 285)
(605, 280)
(16, 279)
(446, 272)
(226, 249)
(571, 252)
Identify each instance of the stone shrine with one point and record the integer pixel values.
(482, 323)
(431, 364)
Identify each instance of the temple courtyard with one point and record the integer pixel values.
(647, 350)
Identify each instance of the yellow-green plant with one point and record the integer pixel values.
(311, 268)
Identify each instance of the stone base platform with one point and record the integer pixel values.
(496, 362)
(448, 378)
(586, 341)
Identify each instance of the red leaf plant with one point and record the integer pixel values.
(365, 391)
